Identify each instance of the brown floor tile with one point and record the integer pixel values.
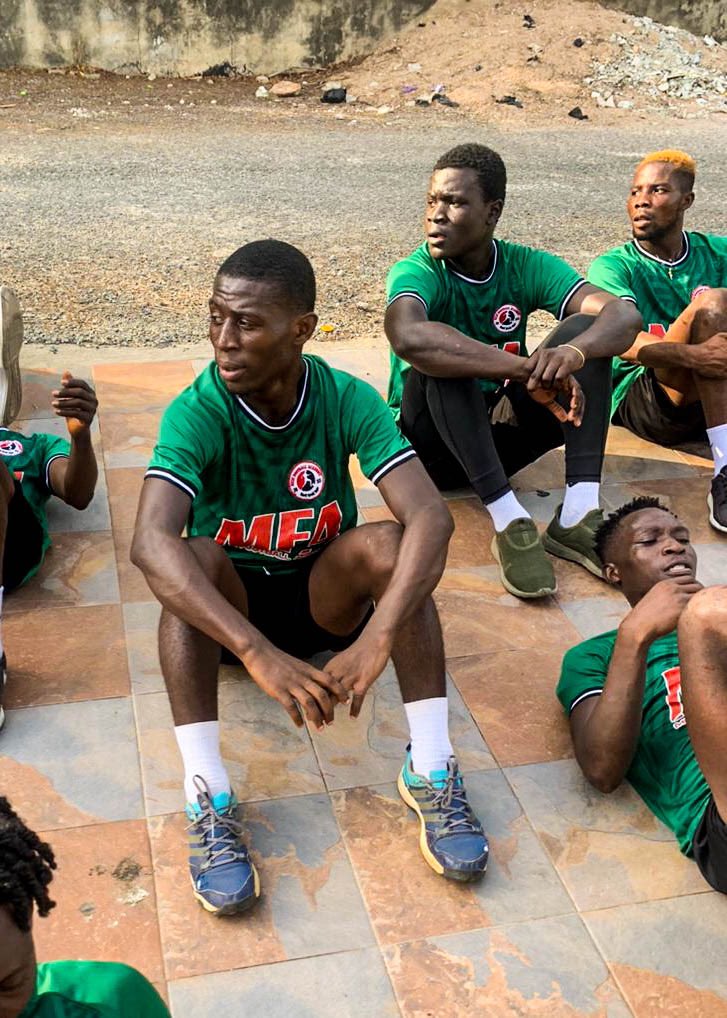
(577, 584)
(37, 389)
(141, 622)
(129, 439)
(511, 695)
(310, 904)
(104, 889)
(545, 474)
(79, 569)
(548, 968)
(478, 616)
(124, 485)
(407, 900)
(470, 543)
(668, 956)
(132, 585)
(125, 386)
(56, 657)
(372, 365)
(608, 849)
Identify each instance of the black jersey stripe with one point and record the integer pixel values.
(402, 456)
(167, 475)
(564, 302)
(409, 293)
(56, 456)
(584, 696)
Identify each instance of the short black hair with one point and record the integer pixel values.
(26, 868)
(611, 525)
(278, 263)
(486, 163)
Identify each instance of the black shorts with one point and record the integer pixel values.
(279, 607)
(647, 411)
(709, 847)
(23, 541)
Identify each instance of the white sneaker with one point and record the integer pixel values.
(11, 340)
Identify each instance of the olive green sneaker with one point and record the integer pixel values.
(524, 567)
(576, 543)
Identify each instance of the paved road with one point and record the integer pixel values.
(112, 233)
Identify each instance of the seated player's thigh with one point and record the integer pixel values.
(350, 573)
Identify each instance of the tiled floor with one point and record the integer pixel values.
(588, 908)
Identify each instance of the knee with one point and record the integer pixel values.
(380, 550)
(706, 612)
(713, 300)
(710, 312)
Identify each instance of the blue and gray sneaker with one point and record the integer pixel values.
(451, 839)
(223, 877)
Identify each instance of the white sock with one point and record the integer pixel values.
(429, 734)
(718, 441)
(580, 498)
(505, 509)
(199, 745)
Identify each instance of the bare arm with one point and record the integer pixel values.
(73, 478)
(175, 576)
(182, 586)
(606, 728)
(441, 351)
(417, 505)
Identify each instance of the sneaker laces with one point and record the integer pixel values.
(220, 832)
(451, 801)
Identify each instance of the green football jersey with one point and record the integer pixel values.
(661, 290)
(271, 495)
(28, 458)
(493, 310)
(92, 989)
(664, 770)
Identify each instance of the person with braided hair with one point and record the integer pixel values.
(60, 989)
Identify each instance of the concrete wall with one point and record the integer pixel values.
(186, 36)
(703, 17)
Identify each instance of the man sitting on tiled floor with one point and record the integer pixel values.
(456, 319)
(60, 989)
(630, 692)
(253, 459)
(671, 385)
(34, 467)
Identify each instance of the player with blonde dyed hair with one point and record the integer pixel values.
(671, 385)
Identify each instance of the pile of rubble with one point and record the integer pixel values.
(662, 63)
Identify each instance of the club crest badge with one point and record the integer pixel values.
(306, 481)
(698, 291)
(11, 447)
(507, 318)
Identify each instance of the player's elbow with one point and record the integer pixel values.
(140, 551)
(604, 782)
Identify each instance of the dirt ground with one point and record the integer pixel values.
(120, 196)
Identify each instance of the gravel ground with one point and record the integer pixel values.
(113, 227)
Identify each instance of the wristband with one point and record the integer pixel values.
(577, 350)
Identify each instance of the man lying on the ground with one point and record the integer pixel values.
(631, 693)
(472, 402)
(253, 459)
(32, 468)
(671, 384)
(57, 989)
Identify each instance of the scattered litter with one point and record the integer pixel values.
(133, 896)
(413, 68)
(327, 330)
(421, 101)
(351, 98)
(438, 88)
(509, 100)
(151, 77)
(262, 79)
(444, 100)
(528, 21)
(87, 909)
(478, 67)
(128, 869)
(383, 110)
(8, 106)
(223, 70)
(261, 92)
(408, 89)
(579, 42)
(334, 95)
(285, 88)
(577, 113)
